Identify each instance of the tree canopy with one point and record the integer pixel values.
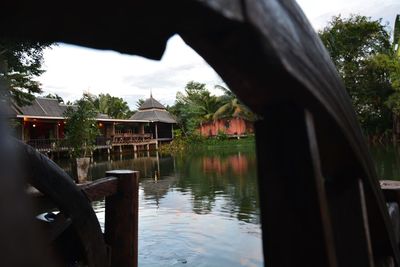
(361, 50)
(81, 127)
(196, 105)
(20, 65)
(115, 107)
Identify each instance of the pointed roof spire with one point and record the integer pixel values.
(151, 103)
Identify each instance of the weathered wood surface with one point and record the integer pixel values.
(95, 190)
(269, 55)
(52, 181)
(121, 219)
(391, 190)
(287, 186)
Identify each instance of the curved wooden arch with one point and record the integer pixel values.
(321, 201)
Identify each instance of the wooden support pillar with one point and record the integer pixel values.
(141, 128)
(23, 131)
(57, 130)
(295, 218)
(121, 219)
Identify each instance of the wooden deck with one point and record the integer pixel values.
(136, 141)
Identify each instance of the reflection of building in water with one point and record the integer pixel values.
(148, 166)
(157, 189)
(214, 164)
(238, 163)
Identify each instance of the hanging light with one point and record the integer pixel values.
(34, 125)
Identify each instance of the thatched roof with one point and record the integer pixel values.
(151, 103)
(153, 111)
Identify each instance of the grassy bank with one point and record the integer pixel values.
(189, 144)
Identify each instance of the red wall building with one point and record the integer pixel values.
(235, 126)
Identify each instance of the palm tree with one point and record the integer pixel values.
(232, 107)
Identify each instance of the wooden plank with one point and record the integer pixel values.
(95, 190)
(54, 229)
(121, 219)
(293, 232)
(391, 190)
(350, 226)
(321, 190)
(100, 188)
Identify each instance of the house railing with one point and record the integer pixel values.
(129, 138)
(62, 144)
(48, 144)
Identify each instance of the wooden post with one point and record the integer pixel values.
(23, 131)
(121, 219)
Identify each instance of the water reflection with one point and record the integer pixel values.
(199, 209)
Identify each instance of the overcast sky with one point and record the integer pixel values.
(72, 70)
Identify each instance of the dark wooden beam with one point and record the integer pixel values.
(295, 232)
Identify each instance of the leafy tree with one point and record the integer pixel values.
(20, 64)
(55, 96)
(361, 50)
(195, 105)
(115, 107)
(81, 127)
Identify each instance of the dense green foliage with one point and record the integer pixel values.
(361, 50)
(81, 127)
(20, 64)
(196, 105)
(115, 107)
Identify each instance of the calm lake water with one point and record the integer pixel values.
(200, 209)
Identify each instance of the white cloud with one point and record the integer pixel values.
(71, 70)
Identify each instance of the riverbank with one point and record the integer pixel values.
(189, 144)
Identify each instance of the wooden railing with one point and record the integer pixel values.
(48, 144)
(120, 191)
(54, 144)
(129, 138)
